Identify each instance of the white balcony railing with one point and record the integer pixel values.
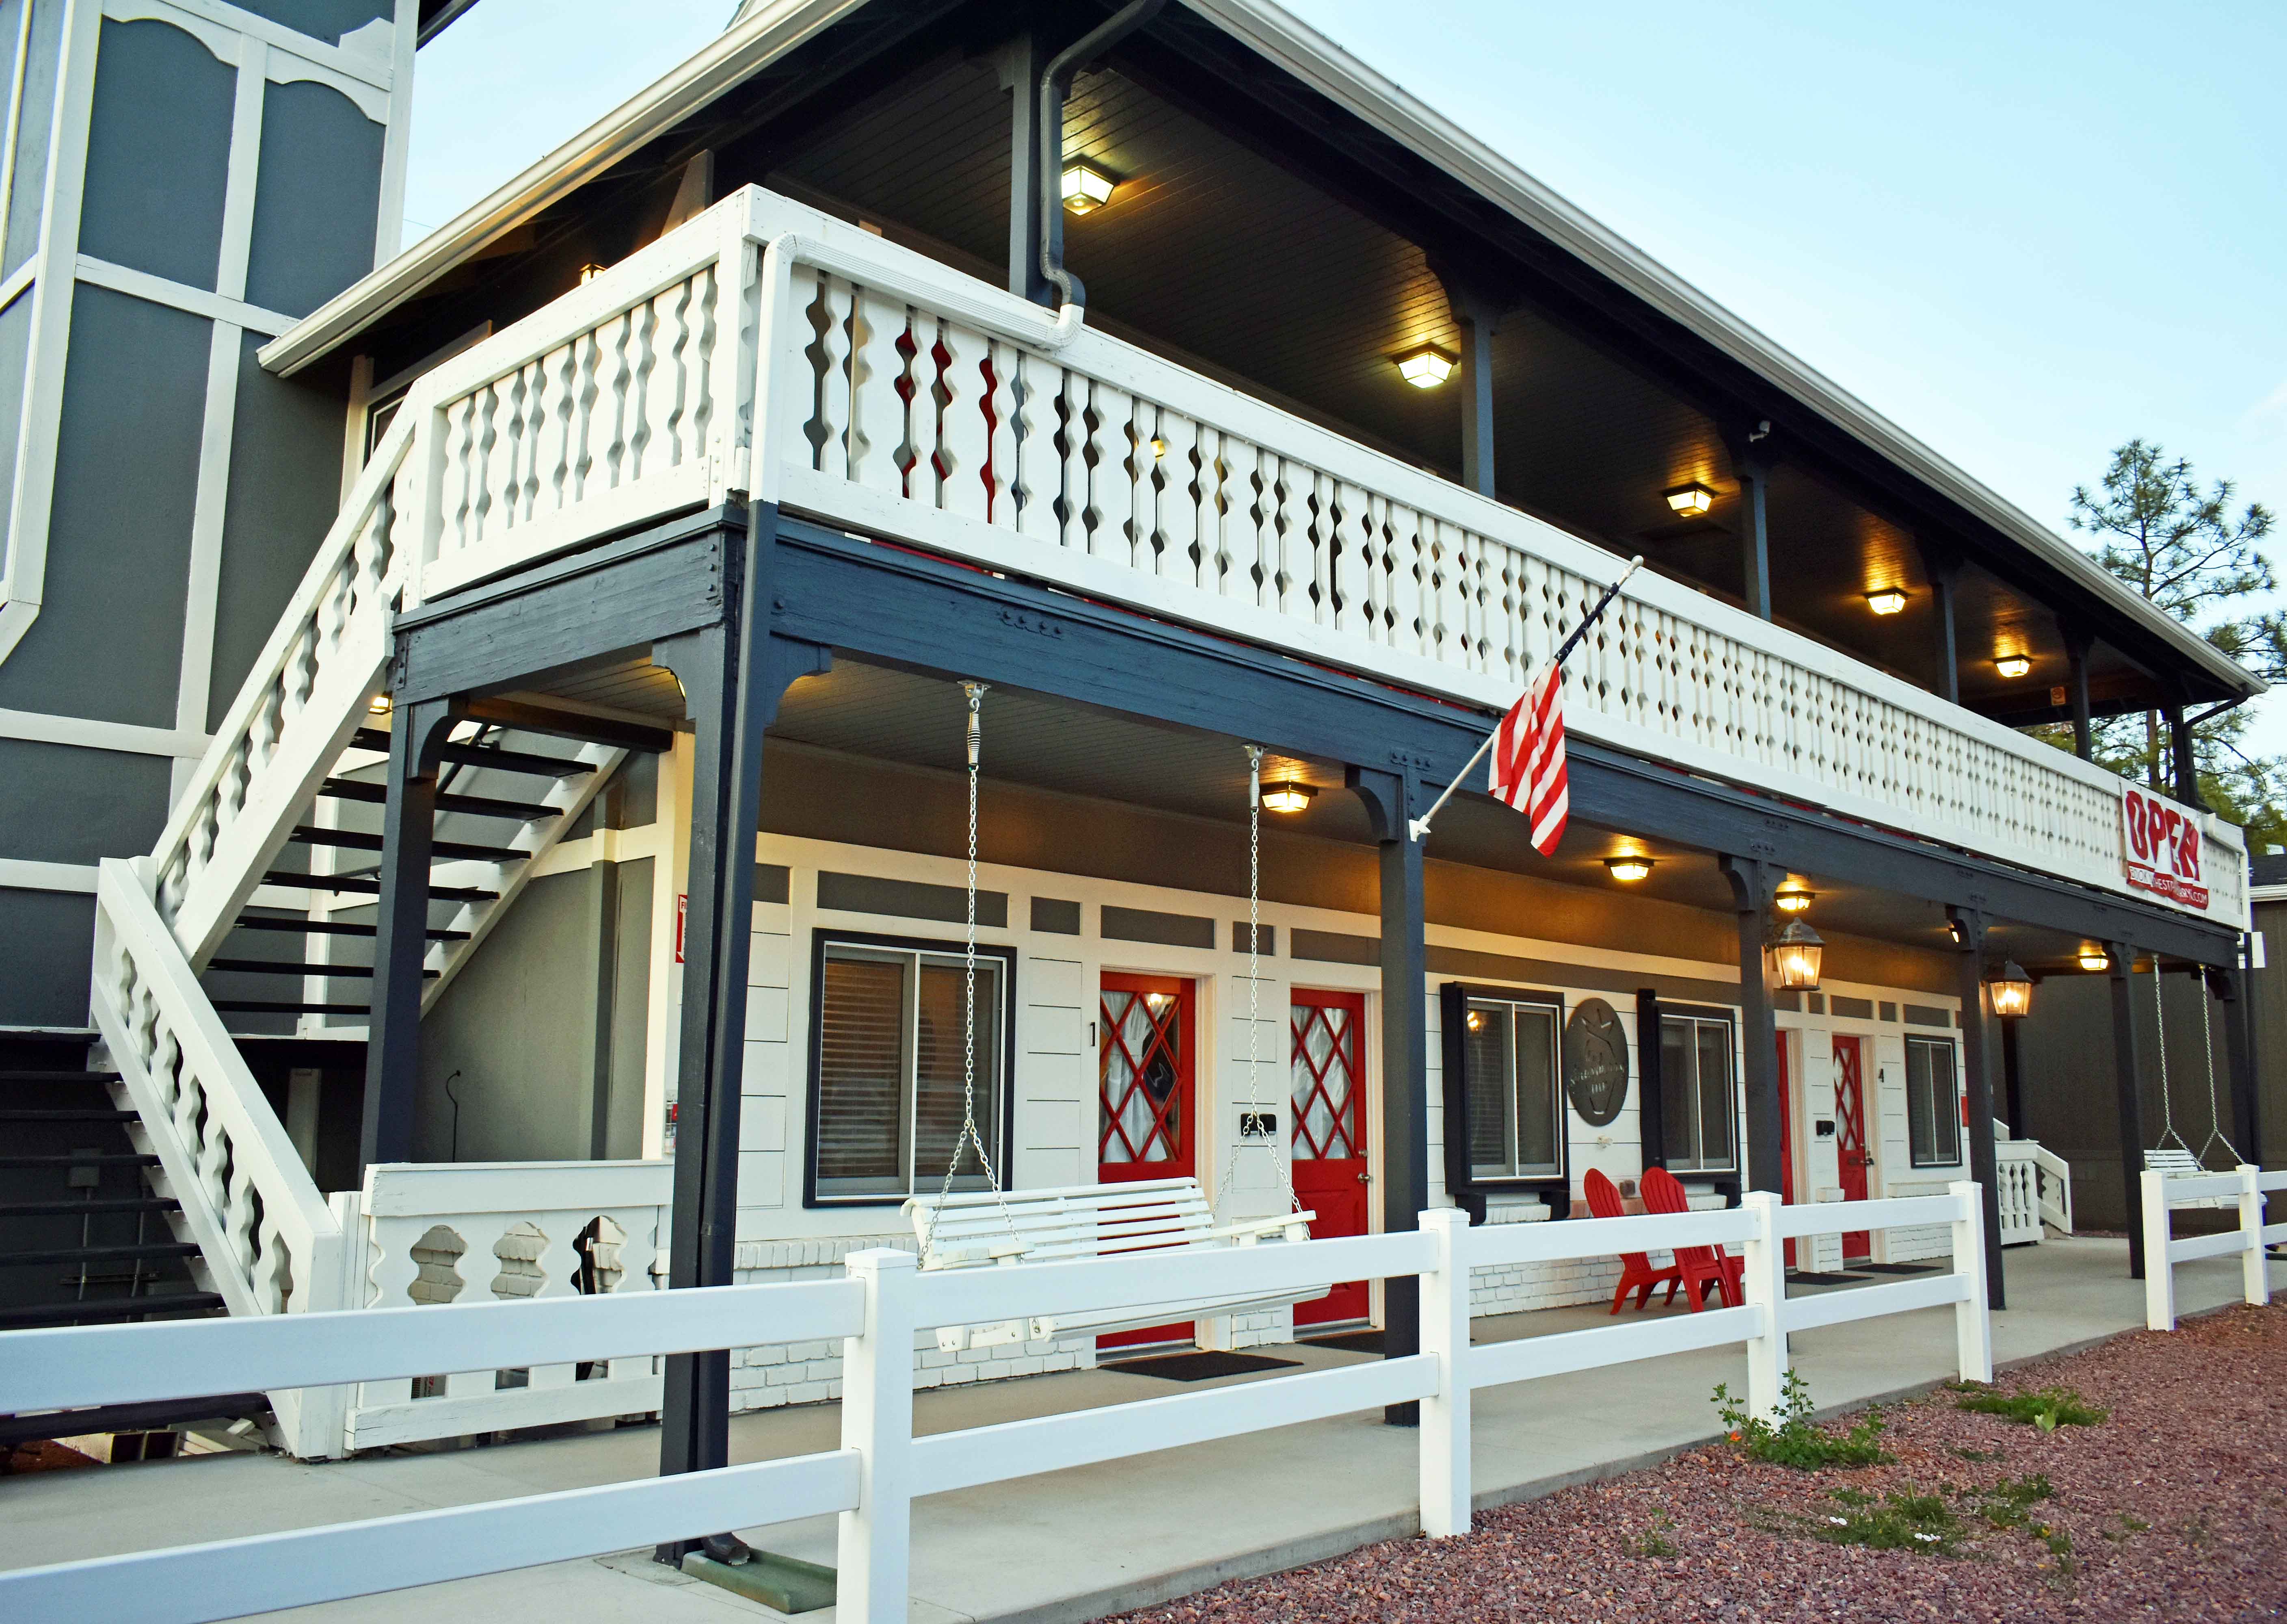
(910, 401)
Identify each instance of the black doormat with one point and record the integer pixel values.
(1807, 1277)
(1896, 1268)
(1199, 1367)
(1348, 1341)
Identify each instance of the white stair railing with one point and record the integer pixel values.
(2056, 1187)
(305, 696)
(267, 1242)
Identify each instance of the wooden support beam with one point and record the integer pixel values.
(2184, 759)
(1392, 799)
(2125, 1083)
(1970, 924)
(1753, 883)
(2076, 649)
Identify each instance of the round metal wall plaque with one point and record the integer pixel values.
(1595, 1062)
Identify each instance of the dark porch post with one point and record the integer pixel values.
(408, 827)
(603, 995)
(1752, 883)
(2227, 988)
(1977, 1063)
(1020, 74)
(1752, 462)
(2013, 1094)
(732, 673)
(2185, 759)
(1391, 799)
(1945, 573)
(2125, 1070)
(2076, 647)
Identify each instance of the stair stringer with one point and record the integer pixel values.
(538, 839)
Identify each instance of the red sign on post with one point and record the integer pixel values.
(2161, 843)
(682, 911)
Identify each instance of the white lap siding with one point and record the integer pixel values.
(1054, 1129)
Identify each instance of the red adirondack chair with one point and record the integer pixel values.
(1702, 1265)
(1636, 1273)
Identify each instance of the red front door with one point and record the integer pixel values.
(1327, 1092)
(1146, 1114)
(1850, 1136)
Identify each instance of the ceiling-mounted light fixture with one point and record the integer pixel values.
(2011, 990)
(2012, 666)
(1886, 600)
(2095, 958)
(589, 271)
(380, 705)
(1087, 188)
(1795, 955)
(1159, 447)
(1628, 867)
(1794, 899)
(1691, 499)
(1286, 796)
(1426, 367)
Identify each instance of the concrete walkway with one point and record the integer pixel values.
(1077, 1544)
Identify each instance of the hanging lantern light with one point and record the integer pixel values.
(2011, 990)
(1794, 953)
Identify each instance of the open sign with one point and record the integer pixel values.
(2161, 843)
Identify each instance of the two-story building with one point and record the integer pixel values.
(815, 554)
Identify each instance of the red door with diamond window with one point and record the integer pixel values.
(1146, 1103)
(1327, 1092)
(1850, 1136)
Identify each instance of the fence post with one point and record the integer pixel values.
(1973, 1323)
(1766, 1283)
(1444, 1443)
(2255, 1278)
(2159, 1274)
(875, 1549)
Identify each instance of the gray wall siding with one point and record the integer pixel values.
(324, 19)
(158, 154)
(47, 952)
(286, 444)
(108, 642)
(314, 210)
(62, 805)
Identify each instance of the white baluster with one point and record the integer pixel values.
(878, 410)
(1111, 488)
(1038, 477)
(1184, 557)
(964, 441)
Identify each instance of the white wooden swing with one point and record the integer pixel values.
(2173, 1157)
(996, 1227)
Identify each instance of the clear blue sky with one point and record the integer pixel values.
(2024, 233)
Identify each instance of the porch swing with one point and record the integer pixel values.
(2173, 1157)
(995, 1227)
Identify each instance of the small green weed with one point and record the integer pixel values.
(1654, 1541)
(2008, 1503)
(2047, 1409)
(1791, 1438)
(1982, 1456)
(1901, 1521)
(2128, 1526)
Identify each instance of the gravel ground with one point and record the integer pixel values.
(2174, 1508)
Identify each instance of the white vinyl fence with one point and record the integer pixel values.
(2243, 1187)
(879, 1308)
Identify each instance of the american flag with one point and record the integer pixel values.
(1528, 759)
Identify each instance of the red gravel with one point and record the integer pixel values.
(2176, 1509)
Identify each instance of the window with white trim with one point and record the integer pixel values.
(1510, 1072)
(1698, 1097)
(1933, 1103)
(886, 1104)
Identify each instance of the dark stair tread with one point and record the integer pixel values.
(100, 1159)
(477, 755)
(448, 801)
(110, 1308)
(273, 966)
(120, 1253)
(333, 928)
(88, 1115)
(59, 1077)
(448, 851)
(366, 885)
(73, 1209)
(285, 1007)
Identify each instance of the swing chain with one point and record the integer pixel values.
(2167, 1111)
(1254, 982)
(2215, 1111)
(969, 1132)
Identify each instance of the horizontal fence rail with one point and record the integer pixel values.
(879, 1308)
(2243, 1189)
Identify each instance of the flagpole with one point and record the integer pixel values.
(1420, 827)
